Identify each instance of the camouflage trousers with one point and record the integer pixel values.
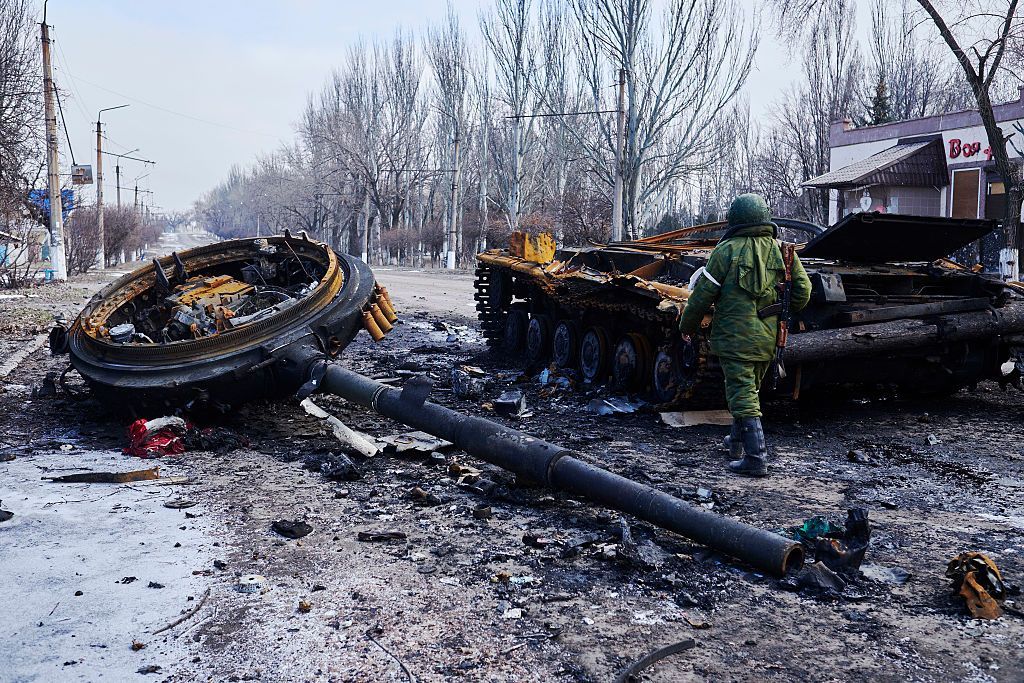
(742, 384)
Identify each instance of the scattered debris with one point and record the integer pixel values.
(5, 514)
(151, 669)
(291, 529)
(250, 583)
(817, 579)
(696, 623)
(537, 541)
(482, 512)
(154, 584)
(846, 553)
(136, 645)
(414, 442)
(862, 458)
(978, 581)
(179, 504)
(610, 406)
(511, 403)
(469, 381)
(644, 553)
(372, 536)
(305, 606)
(107, 477)
(358, 442)
(333, 466)
(186, 616)
(896, 576)
(127, 580)
(692, 418)
(156, 438)
(630, 672)
(933, 440)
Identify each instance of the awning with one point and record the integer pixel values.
(914, 164)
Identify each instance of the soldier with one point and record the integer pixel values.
(742, 280)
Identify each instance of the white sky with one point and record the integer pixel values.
(244, 68)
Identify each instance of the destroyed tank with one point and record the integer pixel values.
(208, 328)
(887, 307)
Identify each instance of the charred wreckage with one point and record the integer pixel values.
(266, 318)
(887, 307)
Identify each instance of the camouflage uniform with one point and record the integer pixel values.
(740, 279)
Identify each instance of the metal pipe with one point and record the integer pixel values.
(900, 335)
(556, 467)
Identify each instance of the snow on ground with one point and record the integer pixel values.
(67, 611)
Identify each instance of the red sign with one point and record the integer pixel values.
(957, 148)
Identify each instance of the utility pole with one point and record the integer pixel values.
(99, 184)
(454, 217)
(58, 260)
(620, 135)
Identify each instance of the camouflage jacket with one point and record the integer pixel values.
(740, 278)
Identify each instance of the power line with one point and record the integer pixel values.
(125, 156)
(177, 113)
(80, 101)
(71, 149)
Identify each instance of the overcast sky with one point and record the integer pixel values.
(214, 83)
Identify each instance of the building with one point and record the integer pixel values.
(932, 166)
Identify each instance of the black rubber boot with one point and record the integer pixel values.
(734, 441)
(754, 462)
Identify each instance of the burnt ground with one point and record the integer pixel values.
(465, 598)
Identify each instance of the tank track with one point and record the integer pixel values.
(704, 391)
(488, 306)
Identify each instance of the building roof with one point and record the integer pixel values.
(917, 164)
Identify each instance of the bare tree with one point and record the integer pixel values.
(680, 75)
(510, 37)
(828, 92)
(21, 136)
(981, 67)
(449, 58)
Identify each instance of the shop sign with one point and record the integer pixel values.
(958, 148)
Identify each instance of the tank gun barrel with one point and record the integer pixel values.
(559, 468)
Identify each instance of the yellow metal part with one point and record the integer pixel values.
(385, 303)
(219, 290)
(371, 326)
(380, 319)
(538, 248)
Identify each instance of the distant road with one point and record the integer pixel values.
(429, 290)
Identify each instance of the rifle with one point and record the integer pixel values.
(778, 368)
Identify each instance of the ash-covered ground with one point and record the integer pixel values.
(463, 595)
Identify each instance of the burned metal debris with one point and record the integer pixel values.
(290, 352)
(886, 307)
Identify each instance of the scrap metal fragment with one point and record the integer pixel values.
(358, 442)
(107, 477)
(631, 671)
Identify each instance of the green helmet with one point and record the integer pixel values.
(749, 210)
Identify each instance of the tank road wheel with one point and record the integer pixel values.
(667, 377)
(538, 338)
(516, 324)
(564, 344)
(631, 362)
(595, 352)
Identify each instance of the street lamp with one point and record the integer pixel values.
(99, 181)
